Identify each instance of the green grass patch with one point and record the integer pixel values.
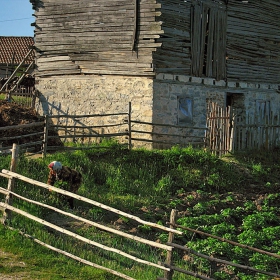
(235, 197)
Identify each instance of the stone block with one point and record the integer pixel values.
(220, 83)
(196, 80)
(274, 86)
(183, 78)
(264, 86)
(231, 84)
(243, 85)
(168, 77)
(208, 81)
(251, 85)
(160, 76)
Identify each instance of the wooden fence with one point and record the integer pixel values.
(72, 128)
(23, 96)
(8, 208)
(223, 133)
(167, 268)
(219, 133)
(262, 132)
(228, 132)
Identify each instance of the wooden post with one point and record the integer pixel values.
(168, 274)
(45, 141)
(129, 126)
(11, 182)
(32, 92)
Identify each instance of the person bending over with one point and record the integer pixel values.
(71, 177)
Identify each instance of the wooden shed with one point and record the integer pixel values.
(168, 58)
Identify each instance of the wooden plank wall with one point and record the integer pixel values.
(138, 37)
(96, 37)
(253, 41)
(174, 55)
(208, 33)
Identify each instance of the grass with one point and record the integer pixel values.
(235, 197)
(30, 260)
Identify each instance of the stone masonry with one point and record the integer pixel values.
(153, 101)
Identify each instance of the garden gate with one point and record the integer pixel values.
(219, 135)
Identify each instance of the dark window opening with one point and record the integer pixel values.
(229, 99)
(185, 110)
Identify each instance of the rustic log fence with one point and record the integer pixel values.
(257, 133)
(228, 132)
(211, 259)
(23, 137)
(168, 268)
(23, 96)
(78, 132)
(8, 208)
(75, 129)
(223, 133)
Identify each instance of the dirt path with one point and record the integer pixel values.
(9, 260)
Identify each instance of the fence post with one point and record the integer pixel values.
(168, 274)
(32, 92)
(129, 126)
(45, 141)
(9, 199)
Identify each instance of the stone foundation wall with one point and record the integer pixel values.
(76, 95)
(168, 88)
(153, 101)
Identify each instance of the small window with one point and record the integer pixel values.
(185, 110)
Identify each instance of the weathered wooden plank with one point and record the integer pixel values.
(121, 65)
(95, 27)
(98, 4)
(97, 16)
(111, 6)
(128, 56)
(57, 72)
(73, 39)
(128, 72)
(96, 36)
(68, 64)
(98, 28)
(54, 58)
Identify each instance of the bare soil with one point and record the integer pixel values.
(10, 260)
(12, 114)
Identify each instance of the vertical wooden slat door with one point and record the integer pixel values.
(218, 136)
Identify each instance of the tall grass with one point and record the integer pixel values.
(209, 193)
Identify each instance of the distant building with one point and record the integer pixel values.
(12, 52)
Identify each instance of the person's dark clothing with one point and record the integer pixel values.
(72, 177)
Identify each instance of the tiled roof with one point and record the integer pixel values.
(14, 49)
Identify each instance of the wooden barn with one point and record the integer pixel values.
(181, 62)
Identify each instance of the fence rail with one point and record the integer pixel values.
(23, 96)
(7, 206)
(167, 268)
(223, 133)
